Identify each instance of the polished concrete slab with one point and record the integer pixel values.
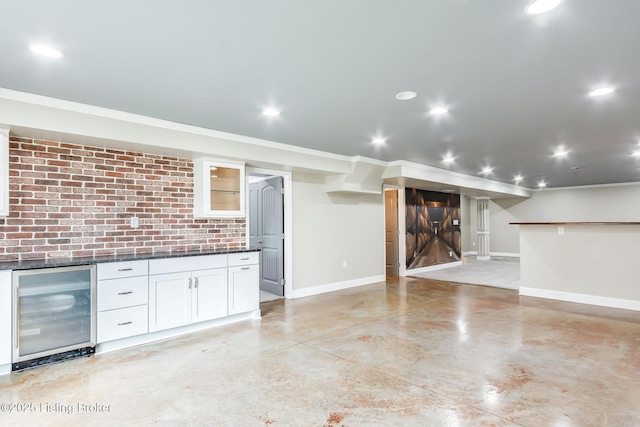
(405, 352)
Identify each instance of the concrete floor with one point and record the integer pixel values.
(408, 352)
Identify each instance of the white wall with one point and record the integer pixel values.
(593, 264)
(329, 228)
(591, 203)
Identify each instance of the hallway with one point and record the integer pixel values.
(437, 251)
(406, 352)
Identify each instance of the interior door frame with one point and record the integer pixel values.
(288, 223)
(402, 229)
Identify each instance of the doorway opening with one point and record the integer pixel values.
(391, 232)
(269, 228)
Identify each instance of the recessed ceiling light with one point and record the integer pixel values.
(45, 50)
(560, 152)
(406, 95)
(378, 141)
(271, 112)
(601, 91)
(518, 178)
(537, 7)
(542, 184)
(448, 158)
(437, 111)
(486, 170)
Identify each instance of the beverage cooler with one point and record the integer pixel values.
(54, 315)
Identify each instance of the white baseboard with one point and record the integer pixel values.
(432, 268)
(5, 369)
(625, 304)
(503, 254)
(322, 289)
(506, 254)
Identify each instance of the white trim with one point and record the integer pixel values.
(77, 107)
(5, 369)
(505, 254)
(4, 172)
(411, 170)
(288, 224)
(331, 287)
(402, 229)
(625, 304)
(502, 254)
(483, 257)
(369, 160)
(174, 332)
(432, 268)
(586, 187)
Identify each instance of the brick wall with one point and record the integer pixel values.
(75, 200)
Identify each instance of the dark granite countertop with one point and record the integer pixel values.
(65, 262)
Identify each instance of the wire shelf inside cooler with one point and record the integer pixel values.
(53, 307)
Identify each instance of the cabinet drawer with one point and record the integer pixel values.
(187, 263)
(116, 270)
(120, 293)
(122, 323)
(243, 258)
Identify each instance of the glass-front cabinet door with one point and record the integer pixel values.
(219, 189)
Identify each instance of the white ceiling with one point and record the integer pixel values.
(516, 85)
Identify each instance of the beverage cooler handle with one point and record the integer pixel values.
(16, 315)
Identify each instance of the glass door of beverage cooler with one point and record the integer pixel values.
(54, 311)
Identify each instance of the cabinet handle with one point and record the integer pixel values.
(125, 269)
(196, 285)
(244, 259)
(245, 268)
(125, 293)
(125, 323)
(189, 283)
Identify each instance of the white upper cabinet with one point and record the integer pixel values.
(219, 189)
(4, 172)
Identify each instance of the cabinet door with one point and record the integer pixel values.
(209, 294)
(169, 301)
(218, 189)
(243, 289)
(5, 317)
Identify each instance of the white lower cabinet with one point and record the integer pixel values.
(244, 288)
(209, 296)
(178, 299)
(5, 317)
(122, 323)
(138, 297)
(123, 297)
